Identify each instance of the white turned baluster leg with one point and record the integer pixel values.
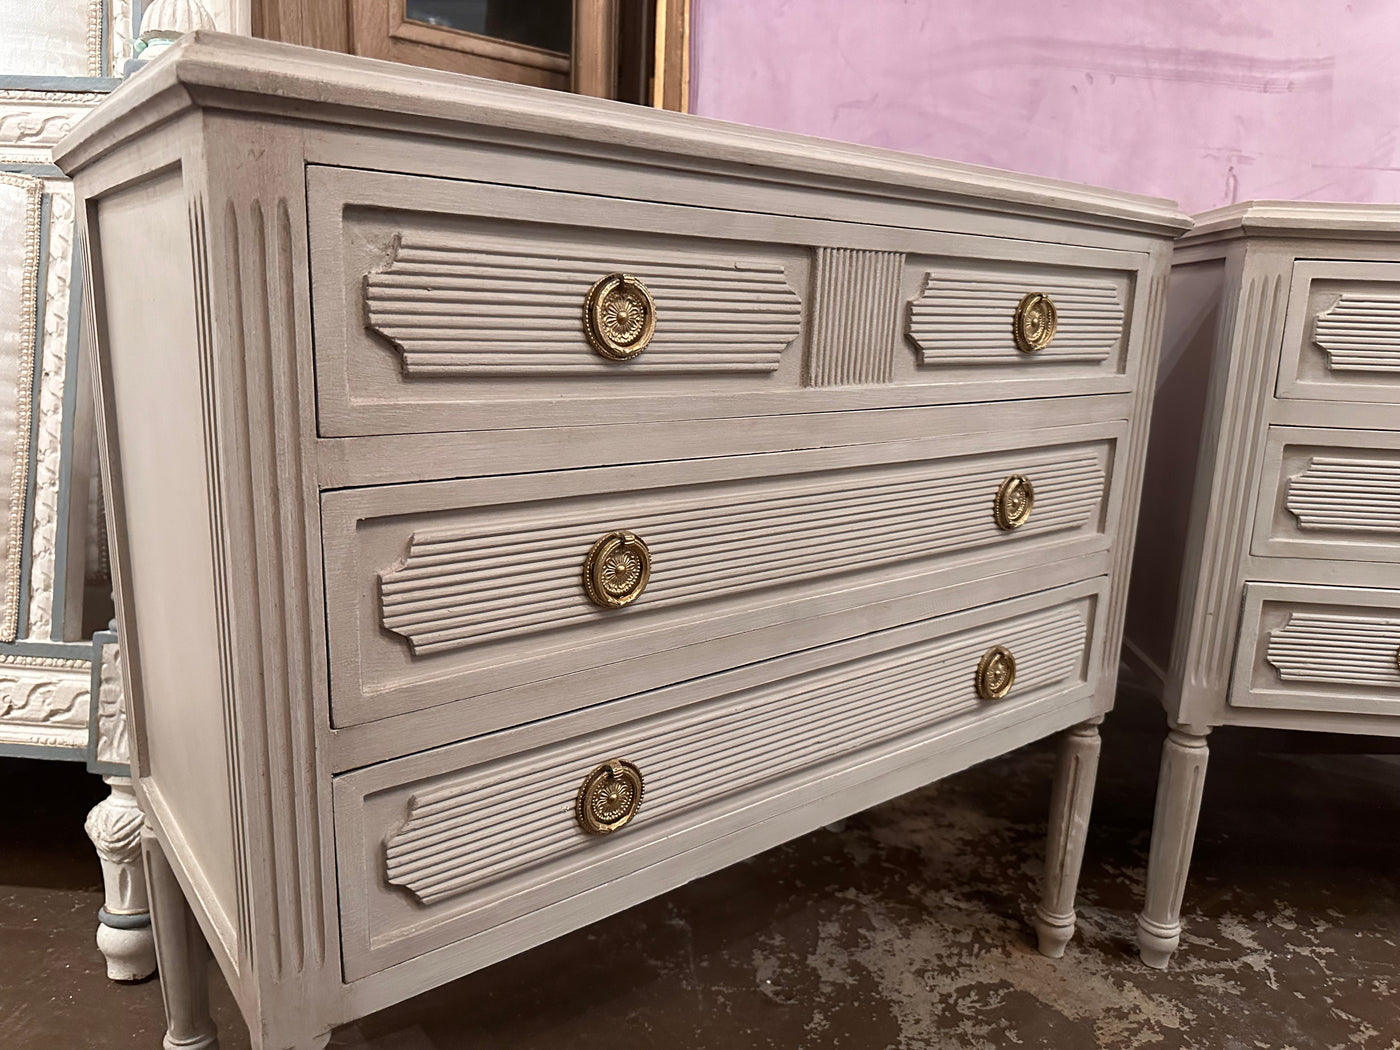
(1173, 831)
(1071, 799)
(124, 931)
(183, 955)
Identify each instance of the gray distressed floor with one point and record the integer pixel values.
(907, 929)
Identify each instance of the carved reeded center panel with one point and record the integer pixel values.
(616, 569)
(996, 673)
(609, 797)
(1014, 503)
(619, 316)
(1035, 323)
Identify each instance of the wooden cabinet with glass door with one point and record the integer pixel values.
(629, 50)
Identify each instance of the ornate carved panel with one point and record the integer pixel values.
(967, 319)
(1346, 495)
(44, 700)
(1360, 333)
(452, 310)
(32, 121)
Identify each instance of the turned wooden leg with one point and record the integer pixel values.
(1071, 799)
(1173, 831)
(124, 922)
(182, 954)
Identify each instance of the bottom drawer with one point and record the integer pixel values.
(1308, 648)
(439, 846)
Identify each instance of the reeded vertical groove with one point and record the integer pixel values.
(855, 313)
(1213, 627)
(1360, 333)
(1343, 494)
(199, 250)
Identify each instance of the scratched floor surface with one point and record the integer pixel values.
(907, 929)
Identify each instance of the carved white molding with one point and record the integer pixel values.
(48, 449)
(21, 201)
(1346, 495)
(1360, 333)
(112, 742)
(44, 700)
(121, 36)
(32, 121)
(125, 935)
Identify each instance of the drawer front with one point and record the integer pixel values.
(445, 306)
(1341, 339)
(448, 590)
(445, 844)
(1330, 494)
(1306, 648)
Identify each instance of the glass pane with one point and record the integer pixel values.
(540, 23)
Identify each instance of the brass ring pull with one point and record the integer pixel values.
(616, 570)
(1035, 322)
(619, 316)
(609, 797)
(1014, 503)
(996, 673)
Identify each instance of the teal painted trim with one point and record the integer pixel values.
(118, 921)
(27, 527)
(62, 650)
(65, 442)
(46, 752)
(102, 769)
(30, 83)
(43, 170)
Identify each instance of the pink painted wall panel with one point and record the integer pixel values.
(1204, 101)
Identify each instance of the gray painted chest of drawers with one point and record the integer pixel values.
(1267, 588)
(558, 501)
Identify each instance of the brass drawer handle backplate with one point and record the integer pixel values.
(619, 316)
(616, 570)
(1035, 322)
(609, 797)
(996, 673)
(1014, 503)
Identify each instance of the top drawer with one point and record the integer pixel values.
(445, 306)
(1341, 339)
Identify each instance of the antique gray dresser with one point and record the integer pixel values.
(558, 501)
(1276, 551)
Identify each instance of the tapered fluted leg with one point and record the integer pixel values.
(182, 954)
(1071, 799)
(1173, 831)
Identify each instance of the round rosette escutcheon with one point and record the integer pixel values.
(1035, 322)
(619, 316)
(609, 797)
(616, 570)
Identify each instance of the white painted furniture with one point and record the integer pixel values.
(59, 695)
(1282, 362)
(384, 455)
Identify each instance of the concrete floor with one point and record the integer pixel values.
(907, 929)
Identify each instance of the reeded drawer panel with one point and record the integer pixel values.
(441, 845)
(1306, 648)
(447, 590)
(1341, 339)
(446, 306)
(1330, 494)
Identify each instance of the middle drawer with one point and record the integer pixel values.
(443, 591)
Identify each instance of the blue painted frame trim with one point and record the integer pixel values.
(38, 170)
(59, 650)
(40, 83)
(42, 751)
(76, 277)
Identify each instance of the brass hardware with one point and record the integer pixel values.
(617, 569)
(619, 316)
(609, 797)
(996, 673)
(1014, 503)
(1035, 322)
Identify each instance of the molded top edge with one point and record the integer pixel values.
(1299, 219)
(221, 71)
